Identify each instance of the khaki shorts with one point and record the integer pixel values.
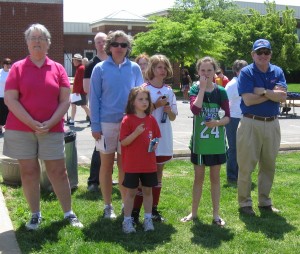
(111, 133)
(28, 145)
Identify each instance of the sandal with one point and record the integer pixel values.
(188, 218)
(219, 222)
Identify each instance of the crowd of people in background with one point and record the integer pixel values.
(130, 108)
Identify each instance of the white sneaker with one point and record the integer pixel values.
(109, 213)
(148, 224)
(73, 220)
(34, 222)
(127, 226)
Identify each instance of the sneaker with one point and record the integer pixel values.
(156, 216)
(109, 213)
(93, 187)
(71, 123)
(148, 225)
(135, 214)
(34, 222)
(128, 227)
(73, 220)
(88, 118)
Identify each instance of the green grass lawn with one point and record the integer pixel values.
(264, 233)
(294, 87)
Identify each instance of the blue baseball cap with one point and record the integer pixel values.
(261, 43)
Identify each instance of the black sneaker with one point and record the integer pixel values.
(156, 216)
(135, 215)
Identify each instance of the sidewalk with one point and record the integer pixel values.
(182, 127)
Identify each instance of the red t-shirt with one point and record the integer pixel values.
(135, 157)
(78, 80)
(39, 90)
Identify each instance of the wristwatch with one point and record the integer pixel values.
(264, 93)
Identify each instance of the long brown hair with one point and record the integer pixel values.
(130, 109)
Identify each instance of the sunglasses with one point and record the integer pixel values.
(266, 52)
(117, 44)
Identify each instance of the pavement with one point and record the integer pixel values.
(182, 127)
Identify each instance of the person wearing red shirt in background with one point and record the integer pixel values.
(220, 78)
(78, 89)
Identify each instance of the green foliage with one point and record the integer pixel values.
(184, 41)
(195, 28)
(241, 234)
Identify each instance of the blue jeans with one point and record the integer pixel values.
(95, 168)
(232, 168)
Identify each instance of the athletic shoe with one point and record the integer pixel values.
(128, 227)
(148, 224)
(71, 123)
(93, 187)
(73, 220)
(135, 215)
(109, 213)
(156, 216)
(34, 222)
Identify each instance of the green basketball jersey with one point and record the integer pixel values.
(208, 140)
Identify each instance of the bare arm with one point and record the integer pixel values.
(11, 98)
(62, 108)
(86, 85)
(253, 99)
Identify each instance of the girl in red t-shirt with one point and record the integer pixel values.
(139, 132)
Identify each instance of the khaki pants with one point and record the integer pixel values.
(257, 141)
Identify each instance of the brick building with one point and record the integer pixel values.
(15, 18)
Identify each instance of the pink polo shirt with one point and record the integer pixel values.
(39, 90)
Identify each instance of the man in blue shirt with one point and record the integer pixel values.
(262, 87)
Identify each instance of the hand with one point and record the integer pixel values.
(161, 102)
(96, 135)
(203, 82)
(139, 129)
(212, 123)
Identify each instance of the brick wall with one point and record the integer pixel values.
(16, 17)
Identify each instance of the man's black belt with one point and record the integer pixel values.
(261, 118)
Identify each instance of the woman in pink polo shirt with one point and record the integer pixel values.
(37, 94)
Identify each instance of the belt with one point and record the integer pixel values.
(261, 118)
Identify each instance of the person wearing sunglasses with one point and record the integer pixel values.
(110, 84)
(262, 87)
(6, 64)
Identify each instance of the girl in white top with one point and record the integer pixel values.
(164, 103)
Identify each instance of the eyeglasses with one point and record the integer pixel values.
(266, 52)
(117, 44)
(38, 39)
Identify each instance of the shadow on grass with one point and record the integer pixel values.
(105, 230)
(210, 236)
(33, 241)
(272, 225)
(86, 195)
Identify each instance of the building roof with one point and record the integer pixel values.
(262, 8)
(122, 17)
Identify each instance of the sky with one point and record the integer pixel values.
(92, 10)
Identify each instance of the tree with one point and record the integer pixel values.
(183, 40)
(277, 27)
